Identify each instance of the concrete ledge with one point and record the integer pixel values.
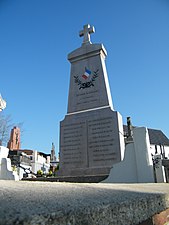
(80, 204)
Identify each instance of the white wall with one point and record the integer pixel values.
(40, 162)
(143, 156)
(38, 166)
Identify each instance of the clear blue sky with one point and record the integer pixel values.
(36, 37)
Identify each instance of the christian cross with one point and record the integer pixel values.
(87, 30)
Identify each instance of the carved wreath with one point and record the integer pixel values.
(88, 83)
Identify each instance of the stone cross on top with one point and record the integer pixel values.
(87, 30)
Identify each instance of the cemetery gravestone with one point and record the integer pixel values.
(6, 172)
(91, 135)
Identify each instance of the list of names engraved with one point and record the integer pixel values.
(73, 143)
(100, 141)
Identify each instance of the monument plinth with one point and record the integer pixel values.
(91, 135)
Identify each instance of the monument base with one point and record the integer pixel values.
(90, 142)
(70, 179)
(86, 171)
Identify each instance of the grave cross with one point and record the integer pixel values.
(87, 30)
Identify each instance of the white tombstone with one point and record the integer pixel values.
(6, 172)
(40, 163)
(159, 169)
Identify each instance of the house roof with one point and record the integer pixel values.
(157, 137)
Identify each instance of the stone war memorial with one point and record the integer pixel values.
(91, 134)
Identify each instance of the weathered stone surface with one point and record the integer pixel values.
(80, 204)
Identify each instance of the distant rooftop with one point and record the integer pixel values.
(157, 137)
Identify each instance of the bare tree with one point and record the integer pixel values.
(5, 127)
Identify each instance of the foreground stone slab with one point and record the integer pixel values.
(76, 204)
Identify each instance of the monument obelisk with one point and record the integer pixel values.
(91, 134)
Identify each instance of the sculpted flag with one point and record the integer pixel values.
(2, 103)
(86, 73)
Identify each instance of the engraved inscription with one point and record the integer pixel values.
(73, 136)
(100, 140)
(87, 97)
(88, 142)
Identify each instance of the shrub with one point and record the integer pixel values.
(50, 173)
(57, 168)
(40, 172)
